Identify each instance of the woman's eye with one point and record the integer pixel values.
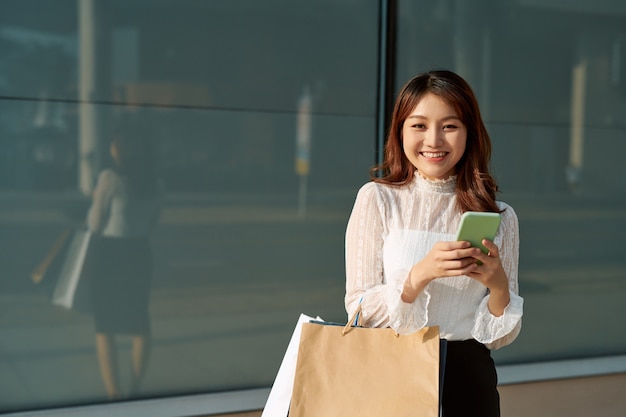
(419, 126)
(448, 127)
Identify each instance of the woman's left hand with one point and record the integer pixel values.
(491, 274)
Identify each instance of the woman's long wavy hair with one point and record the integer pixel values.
(475, 186)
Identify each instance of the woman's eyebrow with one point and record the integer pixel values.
(419, 116)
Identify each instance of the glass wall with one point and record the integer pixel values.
(260, 120)
(551, 81)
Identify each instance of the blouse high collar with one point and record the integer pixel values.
(440, 186)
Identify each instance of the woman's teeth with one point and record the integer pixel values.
(434, 154)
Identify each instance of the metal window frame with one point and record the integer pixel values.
(387, 34)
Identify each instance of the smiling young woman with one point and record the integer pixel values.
(433, 138)
(404, 267)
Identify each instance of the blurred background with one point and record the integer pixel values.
(264, 118)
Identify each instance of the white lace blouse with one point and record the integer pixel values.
(390, 229)
(116, 212)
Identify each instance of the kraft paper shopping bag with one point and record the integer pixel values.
(366, 372)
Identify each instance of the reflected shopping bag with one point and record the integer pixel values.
(46, 274)
(366, 372)
(72, 287)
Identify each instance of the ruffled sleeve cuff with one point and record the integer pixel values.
(406, 318)
(489, 328)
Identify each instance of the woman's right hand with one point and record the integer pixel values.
(445, 259)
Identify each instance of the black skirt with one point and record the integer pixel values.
(470, 381)
(120, 273)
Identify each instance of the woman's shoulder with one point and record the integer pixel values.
(109, 178)
(508, 213)
(504, 206)
(373, 189)
(108, 174)
(383, 196)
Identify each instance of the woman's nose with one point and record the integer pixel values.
(434, 138)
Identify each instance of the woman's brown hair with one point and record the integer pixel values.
(475, 186)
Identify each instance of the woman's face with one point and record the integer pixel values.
(434, 138)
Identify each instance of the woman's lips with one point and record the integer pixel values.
(433, 155)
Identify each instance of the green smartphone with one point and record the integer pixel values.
(476, 226)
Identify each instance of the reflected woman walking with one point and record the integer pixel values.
(124, 211)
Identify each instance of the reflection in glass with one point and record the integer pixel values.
(123, 214)
(550, 78)
(241, 247)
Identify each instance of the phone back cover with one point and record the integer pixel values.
(476, 226)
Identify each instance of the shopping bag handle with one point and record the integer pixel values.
(354, 321)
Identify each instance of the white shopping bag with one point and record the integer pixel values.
(67, 293)
(277, 404)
